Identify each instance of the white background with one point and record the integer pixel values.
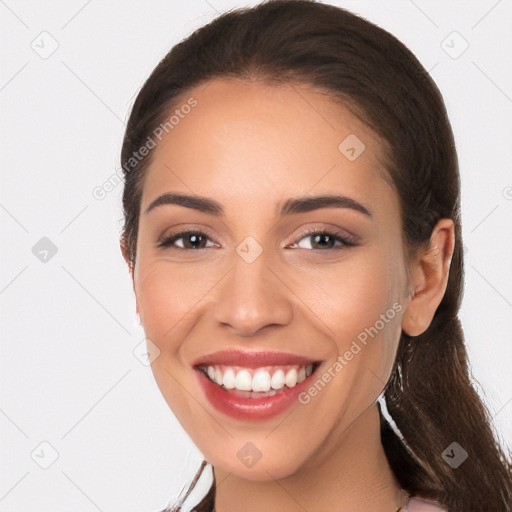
(68, 326)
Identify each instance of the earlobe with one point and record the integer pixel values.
(127, 259)
(429, 275)
(124, 252)
(131, 269)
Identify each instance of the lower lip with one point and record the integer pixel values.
(253, 409)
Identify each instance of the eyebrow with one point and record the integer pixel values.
(290, 206)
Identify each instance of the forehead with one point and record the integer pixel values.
(248, 142)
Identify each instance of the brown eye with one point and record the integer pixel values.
(321, 239)
(186, 240)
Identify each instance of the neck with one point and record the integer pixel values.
(349, 473)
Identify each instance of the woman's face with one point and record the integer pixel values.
(252, 280)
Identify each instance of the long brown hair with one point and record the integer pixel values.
(430, 395)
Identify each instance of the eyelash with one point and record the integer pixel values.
(346, 241)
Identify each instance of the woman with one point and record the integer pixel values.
(293, 232)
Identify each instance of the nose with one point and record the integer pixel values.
(252, 298)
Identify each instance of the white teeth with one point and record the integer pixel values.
(229, 378)
(218, 376)
(291, 378)
(277, 381)
(260, 381)
(243, 381)
(264, 380)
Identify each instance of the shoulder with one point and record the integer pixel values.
(417, 504)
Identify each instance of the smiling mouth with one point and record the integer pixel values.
(257, 382)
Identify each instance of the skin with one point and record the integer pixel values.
(250, 147)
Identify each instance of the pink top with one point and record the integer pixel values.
(413, 504)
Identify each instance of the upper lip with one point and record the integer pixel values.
(252, 359)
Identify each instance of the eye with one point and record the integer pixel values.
(315, 239)
(324, 239)
(187, 240)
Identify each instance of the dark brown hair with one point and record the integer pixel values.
(430, 395)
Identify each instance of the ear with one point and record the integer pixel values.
(124, 252)
(131, 269)
(429, 275)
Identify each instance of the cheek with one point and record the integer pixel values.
(166, 295)
(356, 304)
(354, 301)
(354, 290)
